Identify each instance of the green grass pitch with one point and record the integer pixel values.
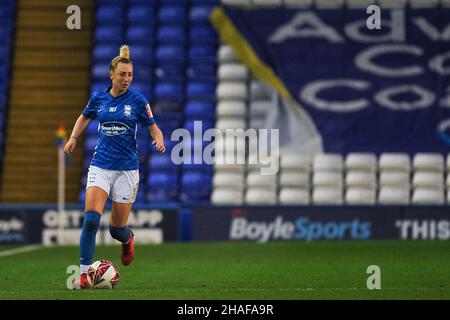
(241, 270)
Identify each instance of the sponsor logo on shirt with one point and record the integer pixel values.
(113, 128)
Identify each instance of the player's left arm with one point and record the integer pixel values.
(158, 138)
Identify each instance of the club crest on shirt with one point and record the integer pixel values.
(127, 110)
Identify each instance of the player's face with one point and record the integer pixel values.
(122, 76)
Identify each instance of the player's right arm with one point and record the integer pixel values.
(78, 129)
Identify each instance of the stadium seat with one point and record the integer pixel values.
(175, 14)
(393, 195)
(143, 88)
(292, 161)
(227, 196)
(328, 162)
(255, 179)
(203, 124)
(232, 91)
(361, 161)
(170, 54)
(92, 127)
(201, 72)
(169, 90)
(91, 143)
(394, 178)
(104, 53)
(327, 179)
(260, 91)
(201, 90)
(202, 35)
(141, 13)
(233, 109)
(365, 179)
(232, 72)
(260, 196)
(111, 13)
(259, 108)
(200, 110)
(234, 180)
(294, 196)
(199, 14)
(327, 196)
(394, 162)
(236, 2)
(428, 196)
(171, 34)
(108, 34)
(360, 196)
(143, 73)
(162, 180)
(298, 179)
(428, 162)
(156, 194)
(267, 2)
(202, 54)
(139, 33)
(428, 179)
(142, 54)
(226, 55)
(160, 162)
(230, 123)
(170, 72)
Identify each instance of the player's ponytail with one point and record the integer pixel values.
(124, 57)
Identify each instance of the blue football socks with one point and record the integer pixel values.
(120, 233)
(91, 224)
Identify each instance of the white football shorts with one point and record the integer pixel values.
(121, 186)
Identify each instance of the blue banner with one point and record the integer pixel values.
(379, 90)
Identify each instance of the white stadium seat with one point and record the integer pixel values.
(360, 3)
(257, 123)
(447, 181)
(260, 108)
(227, 196)
(394, 178)
(230, 123)
(394, 162)
(232, 71)
(327, 179)
(447, 162)
(325, 195)
(236, 2)
(259, 91)
(230, 108)
(298, 3)
(294, 179)
(292, 196)
(361, 161)
(387, 4)
(393, 195)
(328, 162)
(229, 179)
(360, 179)
(326, 4)
(255, 179)
(428, 180)
(260, 196)
(231, 91)
(428, 196)
(357, 195)
(428, 162)
(295, 161)
(267, 2)
(423, 3)
(226, 54)
(233, 167)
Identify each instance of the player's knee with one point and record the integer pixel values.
(91, 220)
(121, 234)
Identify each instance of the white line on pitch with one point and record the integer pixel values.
(19, 250)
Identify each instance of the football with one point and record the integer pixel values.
(103, 274)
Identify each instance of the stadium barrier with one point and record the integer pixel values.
(158, 224)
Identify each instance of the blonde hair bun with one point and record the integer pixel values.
(125, 52)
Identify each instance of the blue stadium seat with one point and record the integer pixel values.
(91, 142)
(155, 194)
(140, 33)
(172, 14)
(113, 13)
(108, 2)
(101, 84)
(6, 13)
(200, 14)
(162, 180)
(202, 54)
(206, 124)
(142, 54)
(196, 186)
(82, 196)
(5, 33)
(169, 90)
(200, 110)
(202, 72)
(104, 52)
(141, 13)
(100, 72)
(111, 33)
(143, 2)
(142, 73)
(140, 196)
(170, 54)
(160, 162)
(167, 106)
(203, 35)
(170, 72)
(171, 34)
(143, 88)
(201, 90)
(204, 2)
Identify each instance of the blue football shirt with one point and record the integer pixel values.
(118, 119)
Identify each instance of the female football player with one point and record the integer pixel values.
(114, 167)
